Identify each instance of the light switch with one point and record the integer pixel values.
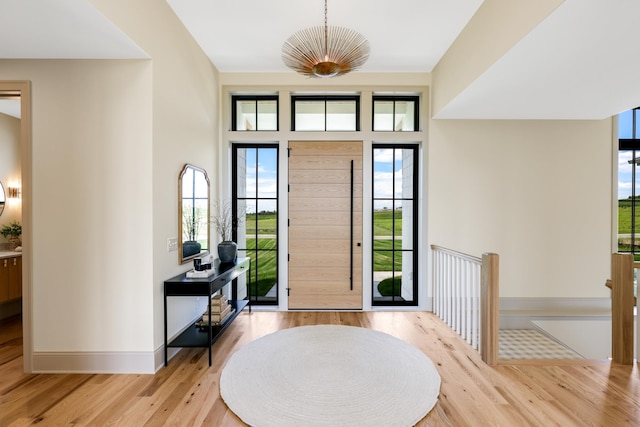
(172, 244)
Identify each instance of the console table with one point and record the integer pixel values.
(181, 286)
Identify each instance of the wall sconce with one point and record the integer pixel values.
(13, 192)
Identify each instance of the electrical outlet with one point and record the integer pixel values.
(172, 244)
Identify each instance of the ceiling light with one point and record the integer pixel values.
(325, 51)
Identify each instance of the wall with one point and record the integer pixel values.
(10, 169)
(494, 29)
(91, 209)
(109, 138)
(185, 129)
(538, 193)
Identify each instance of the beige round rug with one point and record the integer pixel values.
(329, 375)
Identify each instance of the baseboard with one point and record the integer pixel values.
(94, 362)
(519, 313)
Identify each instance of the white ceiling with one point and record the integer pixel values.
(581, 62)
(60, 29)
(247, 35)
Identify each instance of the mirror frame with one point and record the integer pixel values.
(189, 167)
(3, 198)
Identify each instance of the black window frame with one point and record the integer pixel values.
(395, 98)
(255, 269)
(325, 98)
(415, 246)
(633, 145)
(256, 98)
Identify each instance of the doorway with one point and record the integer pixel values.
(325, 225)
(22, 89)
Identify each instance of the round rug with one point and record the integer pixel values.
(329, 375)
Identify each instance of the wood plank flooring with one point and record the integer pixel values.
(520, 393)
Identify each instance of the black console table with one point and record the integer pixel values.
(181, 286)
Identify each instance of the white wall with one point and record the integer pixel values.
(109, 139)
(185, 130)
(91, 189)
(538, 193)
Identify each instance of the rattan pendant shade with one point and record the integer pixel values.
(325, 51)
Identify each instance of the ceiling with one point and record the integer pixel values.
(580, 62)
(404, 35)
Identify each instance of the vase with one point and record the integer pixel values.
(14, 242)
(227, 252)
(190, 248)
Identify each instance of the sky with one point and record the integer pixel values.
(625, 130)
(624, 174)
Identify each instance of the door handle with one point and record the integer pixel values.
(351, 231)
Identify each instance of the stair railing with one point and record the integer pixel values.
(465, 297)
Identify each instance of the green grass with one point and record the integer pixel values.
(383, 223)
(264, 266)
(267, 223)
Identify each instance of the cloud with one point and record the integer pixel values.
(383, 155)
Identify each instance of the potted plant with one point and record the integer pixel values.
(12, 233)
(191, 222)
(223, 221)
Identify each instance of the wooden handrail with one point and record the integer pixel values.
(489, 297)
(622, 308)
(456, 253)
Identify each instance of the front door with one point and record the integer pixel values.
(325, 225)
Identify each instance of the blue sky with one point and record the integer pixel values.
(625, 130)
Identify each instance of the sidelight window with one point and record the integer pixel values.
(395, 224)
(255, 196)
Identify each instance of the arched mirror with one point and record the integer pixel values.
(2, 198)
(193, 213)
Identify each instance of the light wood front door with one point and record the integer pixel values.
(325, 225)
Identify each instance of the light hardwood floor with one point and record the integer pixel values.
(526, 393)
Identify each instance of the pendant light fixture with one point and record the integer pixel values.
(325, 51)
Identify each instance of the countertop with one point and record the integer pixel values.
(9, 254)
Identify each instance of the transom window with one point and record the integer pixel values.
(395, 113)
(325, 113)
(254, 113)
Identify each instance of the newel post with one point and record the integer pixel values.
(622, 303)
(489, 321)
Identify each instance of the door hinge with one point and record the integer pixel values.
(288, 188)
(288, 152)
(288, 291)
(288, 257)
